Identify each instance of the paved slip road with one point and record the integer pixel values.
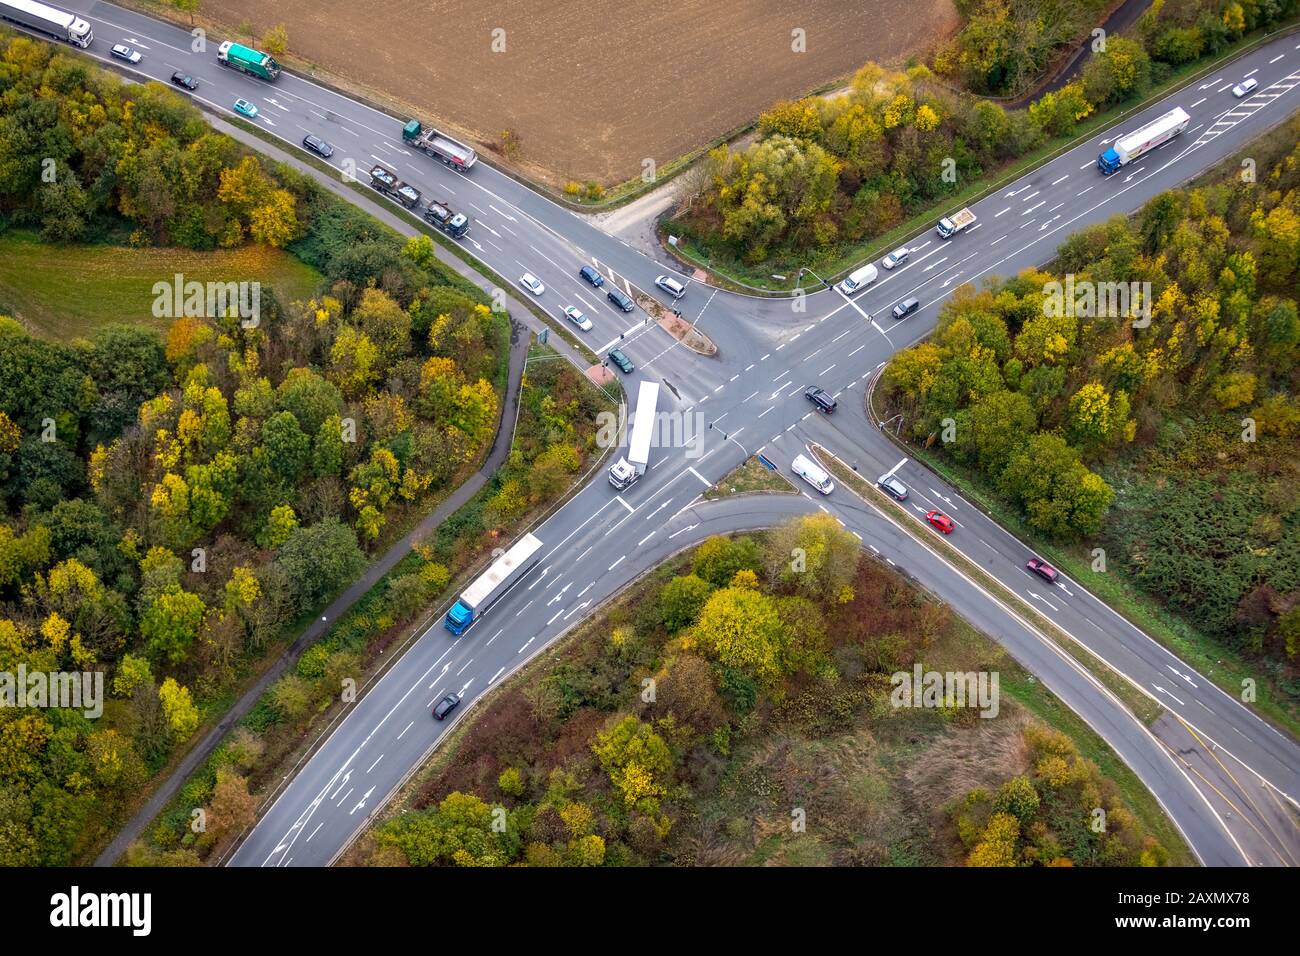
(1227, 778)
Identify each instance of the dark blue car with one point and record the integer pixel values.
(591, 275)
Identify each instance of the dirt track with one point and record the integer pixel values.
(592, 88)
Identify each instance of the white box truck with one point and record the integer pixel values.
(949, 226)
(49, 20)
(629, 468)
(493, 583)
(1156, 133)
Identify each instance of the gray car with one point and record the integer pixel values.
(905, 308)
(892, 487)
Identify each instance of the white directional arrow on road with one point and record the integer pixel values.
(581, 607)
(466, 687)
(362, 802)
(1039, 597)
(343, 783)
(1163, 691)
(560, 594)
(933, 264)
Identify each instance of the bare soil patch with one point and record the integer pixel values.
(593, 89)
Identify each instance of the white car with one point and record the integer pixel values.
(124, 52)
(1244, 87)
(532, 283)
(894, 258)
(577, 318)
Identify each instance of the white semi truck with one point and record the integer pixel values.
(629, 468)
(49, 20)
(492, 583)
(1139, 142)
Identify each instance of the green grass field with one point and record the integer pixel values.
(64, 291)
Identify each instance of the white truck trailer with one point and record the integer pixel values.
(49, 20)
(1139, 142)
(492, 583)
(628, 469)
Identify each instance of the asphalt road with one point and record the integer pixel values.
(1226, 777)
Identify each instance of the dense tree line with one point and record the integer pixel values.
(174, 504)
(1005, 45)
(1062, 813)
(1187, 426)
(828, 172)
(557, 422)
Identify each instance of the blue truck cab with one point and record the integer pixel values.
(458, 618)
(1108, 162)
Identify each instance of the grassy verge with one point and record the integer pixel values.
(1144, 707)
(751, 477)
(737, 276)
(67, 291)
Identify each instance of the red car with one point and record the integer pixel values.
(940, 521)
(1044, 570)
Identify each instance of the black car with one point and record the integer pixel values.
(622, 361)
(591, 275)
(821, 398)
(185, 80)
(445, 706)
(620, 299)
(318, 146)
(906, 308)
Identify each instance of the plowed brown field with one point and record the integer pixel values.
(593, 87)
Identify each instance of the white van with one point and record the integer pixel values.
(811, 472)
(858, 280)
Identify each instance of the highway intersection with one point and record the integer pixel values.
(1227, 778)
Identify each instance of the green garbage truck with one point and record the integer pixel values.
(247, 60)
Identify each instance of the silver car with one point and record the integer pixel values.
(577, 318)
(124, 52)
(894, 258)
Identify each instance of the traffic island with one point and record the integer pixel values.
(601, 375)
(756, 476)
(688, 335)
(671, 321)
